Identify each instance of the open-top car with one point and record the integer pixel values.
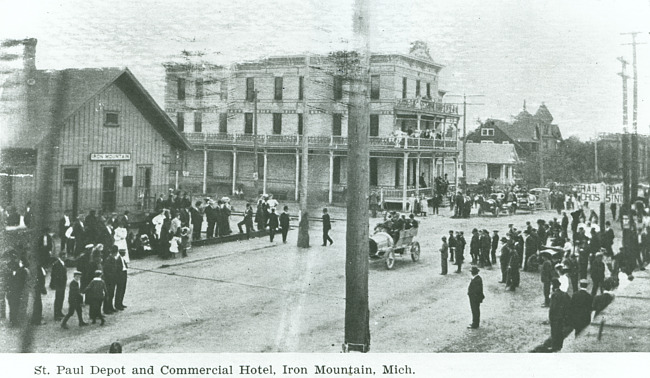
(383, 248)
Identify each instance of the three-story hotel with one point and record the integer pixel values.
(264, 108)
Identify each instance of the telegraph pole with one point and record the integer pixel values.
(357, 314)
(625, 141)
(303, 228)
(635, 135)
(464, 178)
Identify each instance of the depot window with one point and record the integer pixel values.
(487, 132)
(111, 119)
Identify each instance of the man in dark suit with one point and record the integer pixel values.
(197, 220)
(565, 225)
(79, 235)
(327, 226)
(74, 301)
(452, 246)
(284, 223)
(211, 217)
(58, 281)
(247, 221)
(597, 274)
(45, 248)
(273, 223)
(39, 291)
(495, 245)
(474, 246)
(110, 278)
(547, 275)
(486, 244)
(120, 284)
(530, 248)
(557, 315)
(608, 239)
(475, 293)
(580, 308)
(504, 258)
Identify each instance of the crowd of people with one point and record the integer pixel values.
(573, 254)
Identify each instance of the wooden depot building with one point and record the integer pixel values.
(109, 146)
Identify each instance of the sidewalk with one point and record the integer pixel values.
(624, 326)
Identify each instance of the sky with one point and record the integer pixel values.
(557, 52)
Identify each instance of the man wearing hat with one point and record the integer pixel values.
(475, 293)
(557, 315)
(452, 246)
(580, 308)
(95, 294)
(530, 248)
(562, 277)
(474, 246)
(485, 243)
(495, 245)
(74, 301)
(444, 251)
(504, 258)
(460, 249)
(548, 274)
(597, 274)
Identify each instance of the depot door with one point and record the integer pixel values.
(109, 188)
(70, 193)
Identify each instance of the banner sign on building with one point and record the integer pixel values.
(104, 157)
(601, 192)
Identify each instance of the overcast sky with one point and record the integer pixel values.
(559, 52)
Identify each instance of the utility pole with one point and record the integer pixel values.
(635, 135)
(357, 314)
(464, 178)
(596, 158)
(303, 227)
(625, 141)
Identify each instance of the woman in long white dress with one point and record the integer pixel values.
(119, 237)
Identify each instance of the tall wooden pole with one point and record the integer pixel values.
(625, 141)
(303, 227)
(635, 133)
(357, 328)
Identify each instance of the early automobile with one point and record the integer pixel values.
(384, 249)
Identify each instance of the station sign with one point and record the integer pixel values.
(109, 157)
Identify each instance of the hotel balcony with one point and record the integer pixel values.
(383, 144)
(426, 107)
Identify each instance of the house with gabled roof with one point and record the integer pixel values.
(527, 132)
(97, 135)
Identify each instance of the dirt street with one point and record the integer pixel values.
(257, 296)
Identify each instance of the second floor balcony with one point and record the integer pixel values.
(385, 143)
(426, 106)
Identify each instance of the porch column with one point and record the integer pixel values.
(419, 121)
(442, 171)
(417, 175)
(404, 179)
(331, 182)
(205, 171)
(297, 175)
(455, 174)
(265, 170)
(503, 174)
(234, 171)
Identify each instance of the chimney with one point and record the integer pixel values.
(29, 54)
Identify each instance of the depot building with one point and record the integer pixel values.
(97, 136)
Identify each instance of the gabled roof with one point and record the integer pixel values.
(32, 102)
(491, 153)
(543, 114)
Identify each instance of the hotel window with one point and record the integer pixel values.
(374, 172)
(278, 88)
(299, 124)
(250, 89)
(248, 123)
(181, 88)
(180, 121)
(429, 90)
(338, 88)
(223, 123)
(301, 87)
(336, 173)
(374, 87)
(404, 87)
(374, 125)
(336, 124)
(277, 123)
(417, 88)
(199, 88)
(198, 122)
(111, 119)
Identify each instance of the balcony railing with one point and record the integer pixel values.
(334, 142)
(416, 104)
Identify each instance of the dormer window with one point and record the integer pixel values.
(536, 133)
(487, 132)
